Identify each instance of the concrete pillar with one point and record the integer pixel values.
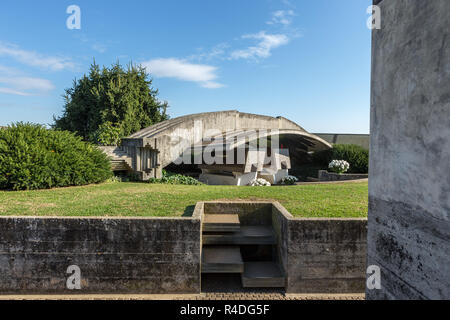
(138, 159)
(409, 179)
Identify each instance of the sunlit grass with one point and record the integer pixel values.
(144, 199)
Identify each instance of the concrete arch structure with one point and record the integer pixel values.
(153, 148)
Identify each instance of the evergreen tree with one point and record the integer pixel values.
(115, 99)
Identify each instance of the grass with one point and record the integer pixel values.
(144, 199)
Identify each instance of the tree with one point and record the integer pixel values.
(115, 99)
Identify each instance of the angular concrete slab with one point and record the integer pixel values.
(262, 275)
(226, 259)
(221, 223)
(247, 235)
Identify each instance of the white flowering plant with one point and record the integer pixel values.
(260, 182)
(339, 166)
(289, 180)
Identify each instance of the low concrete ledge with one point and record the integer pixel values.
(331, 176)
(126, 255)
(323, 255)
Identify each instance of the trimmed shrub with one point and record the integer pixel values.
(356, 156)
(33, 157)
(289, 180)
(173, 178)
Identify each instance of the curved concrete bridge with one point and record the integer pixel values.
(153, 148)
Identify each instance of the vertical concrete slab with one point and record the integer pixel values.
(409, 182)
(321, 255)
(280, 221)
(326, 255)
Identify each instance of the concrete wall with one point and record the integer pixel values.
(331, 176)
(250, 212)
(162, 255)
(128, 255)
(321, 255)
(409, 185)
(362, 140)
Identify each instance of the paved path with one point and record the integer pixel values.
(202, 296)
(214, 287)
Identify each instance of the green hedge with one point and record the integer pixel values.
(174, 178)
(357, 156)
(33, 157)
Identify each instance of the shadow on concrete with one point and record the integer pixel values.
(231, 283)
(188, 211)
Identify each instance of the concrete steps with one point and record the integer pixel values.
(221, 252)
(264, 274)
(120, 159)
(223, 259)
(221, 223)
(247, 235)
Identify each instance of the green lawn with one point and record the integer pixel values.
(143, 199)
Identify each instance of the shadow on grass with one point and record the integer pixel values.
(188, 211)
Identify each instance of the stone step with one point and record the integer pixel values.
(221, 223)
(262, 275)
(247, 235)
(224, 259)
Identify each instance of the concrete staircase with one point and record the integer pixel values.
(222, 237)
(120, 159)
(221, 223)
(224, 259)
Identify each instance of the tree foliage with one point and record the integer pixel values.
(107, 134)
(111, 98)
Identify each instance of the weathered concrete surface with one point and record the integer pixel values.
(327, 255)
(127, 255)
(409, 185)
(316, 255)
(162, 255)
(157, 146)
(250, 212)
(362, 140)
(321, 255)
(331, 176)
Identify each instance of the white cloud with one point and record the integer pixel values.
(12, 91)
(180, 69)
(267, 42)
(95, 45)
(34, 59)
(101, 48)
(217, 52)
(212, 85)
(283, 17)
(14, 83)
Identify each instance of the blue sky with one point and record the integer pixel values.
(305, 60)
